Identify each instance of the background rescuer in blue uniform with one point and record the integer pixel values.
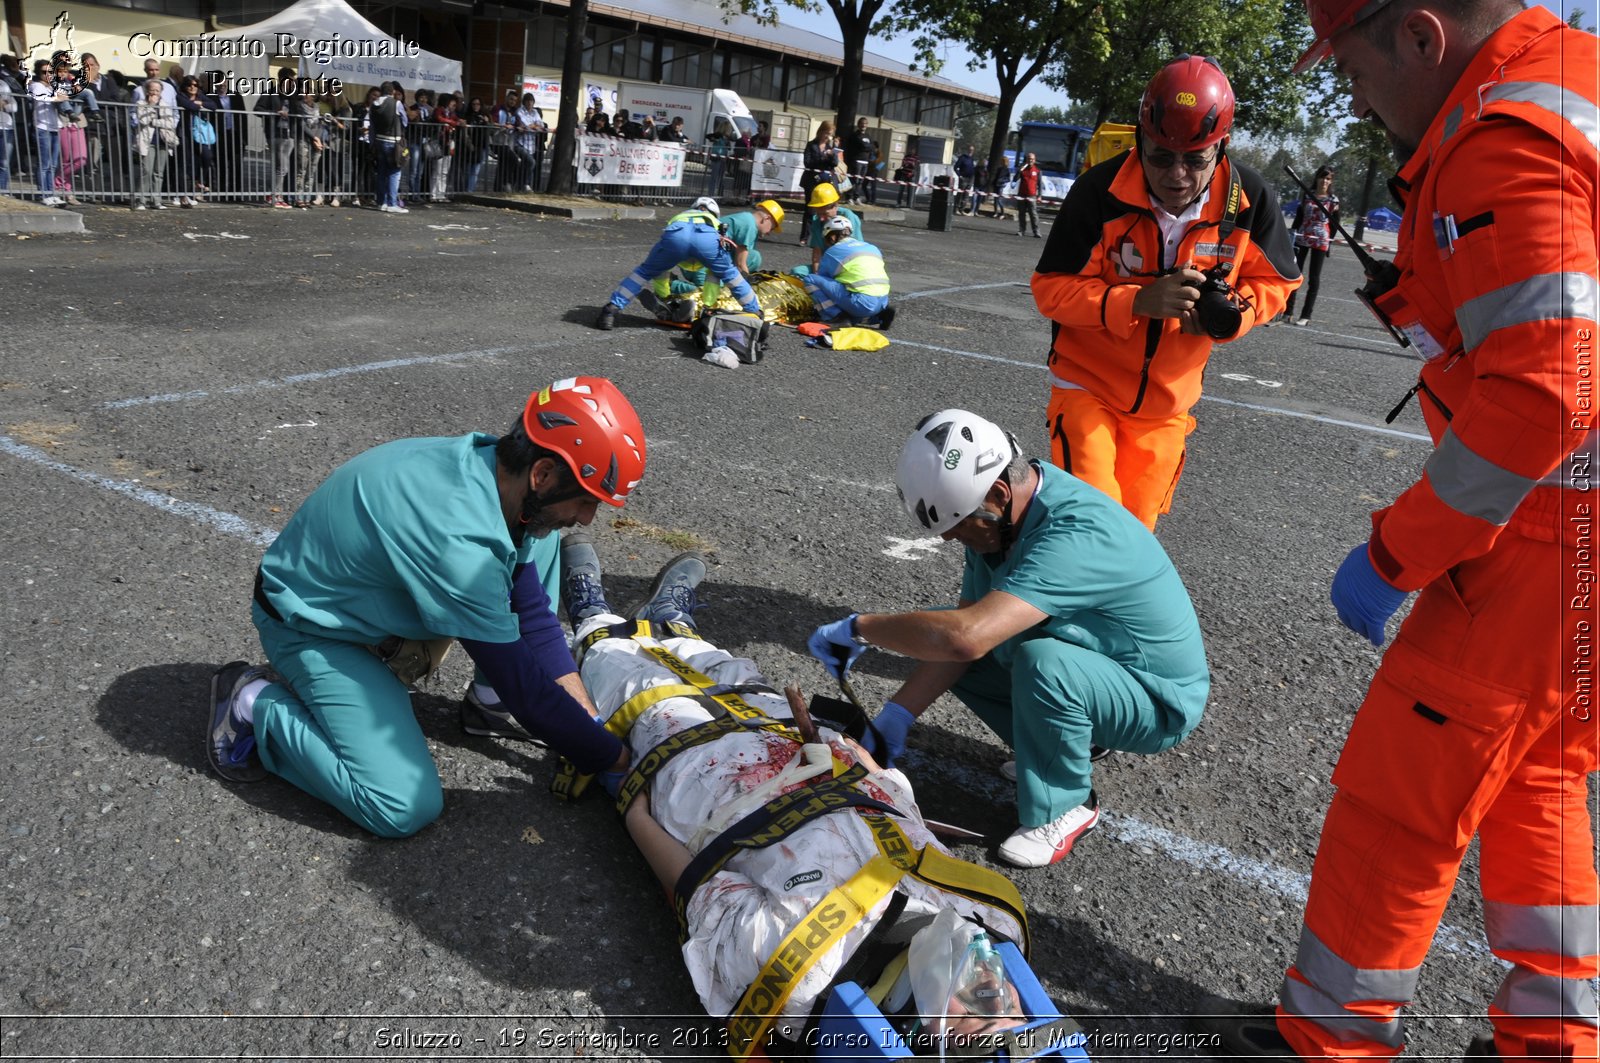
(692, 240)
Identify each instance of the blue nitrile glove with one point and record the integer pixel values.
(612, 781)
(891, 725)
(800, 271)
(833, 645)
(1363, 599)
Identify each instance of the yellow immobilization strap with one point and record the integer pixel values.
(801, 948)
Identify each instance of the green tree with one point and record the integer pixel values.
(858, 19)
(1073, 113)
(975, 126)
(1118, 45)
(1018, 41)
(1364, 153)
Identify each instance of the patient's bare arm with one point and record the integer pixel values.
(666, 855)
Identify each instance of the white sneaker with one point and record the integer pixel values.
(52, 201)
(399, 210)
(1042, 846)
(1303, 322)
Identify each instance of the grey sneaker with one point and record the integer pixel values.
(491, 721)
(652, 302)
(582, 593)
(672, 597)
(230, 745)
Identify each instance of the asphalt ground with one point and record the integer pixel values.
(173, 384)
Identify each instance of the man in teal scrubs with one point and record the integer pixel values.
(403, 548)
(1073, 629)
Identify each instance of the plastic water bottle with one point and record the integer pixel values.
(722, 356)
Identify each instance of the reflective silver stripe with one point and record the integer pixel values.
(1542, 297)
(1581, 468)
(1473, 485)
(1344, 983)
(1565, 104)
(1306, 1002)
(1571, 930)
(1530, 995)
(1452, 122)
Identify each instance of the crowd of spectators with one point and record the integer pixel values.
(163, 140)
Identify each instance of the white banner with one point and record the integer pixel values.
(1050, 187)
(776, 171)
(609, 161)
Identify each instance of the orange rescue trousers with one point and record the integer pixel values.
(1465, 730)
(1135, 460)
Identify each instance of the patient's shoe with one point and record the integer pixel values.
(672, 596)
(581, 591)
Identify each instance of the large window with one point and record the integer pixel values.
(811, 86)
(689, 62)
(753, 75)
(547, 41)
(939, 111)
(177, 8)
(871, 97)
(900, 103)
(621, 53)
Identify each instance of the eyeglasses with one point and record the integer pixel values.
(1193, 161)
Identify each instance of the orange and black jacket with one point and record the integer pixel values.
(1498, 292)
(1105, 246)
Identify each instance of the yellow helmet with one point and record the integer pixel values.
(775, 211)
(823, 195)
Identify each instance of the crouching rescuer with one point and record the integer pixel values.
(851, 284)
(402, 549)
(1156, 255)
(1072, 628)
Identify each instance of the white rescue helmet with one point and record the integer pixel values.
(707, 204)
(839, 224)
(948, 466)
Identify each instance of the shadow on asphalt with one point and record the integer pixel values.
(1126, 989)
(162, 710)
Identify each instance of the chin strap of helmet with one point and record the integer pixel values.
(532, 503)
(1007, 526)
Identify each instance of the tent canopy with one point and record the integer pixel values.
(333, 41)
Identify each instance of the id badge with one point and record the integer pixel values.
(1401, 316)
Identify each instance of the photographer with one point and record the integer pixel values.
(1136, 278)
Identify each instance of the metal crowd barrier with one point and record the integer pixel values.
(264, 158)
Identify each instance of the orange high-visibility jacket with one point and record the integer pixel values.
(1498, 290)
(1105, 246)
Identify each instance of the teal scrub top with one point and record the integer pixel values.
(816, 228)
(1106, 585)
(405, 539)
(741, 229)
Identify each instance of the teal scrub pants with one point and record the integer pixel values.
(1056, 701)
(343, 729)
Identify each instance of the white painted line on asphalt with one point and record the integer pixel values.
(1257, 407)
(227, 523)
(1293, 886)
(325, 374)
(962, 288)
(1379, 429)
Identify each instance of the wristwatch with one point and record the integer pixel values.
(855, 631)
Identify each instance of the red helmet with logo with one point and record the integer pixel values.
(1329, 18)
(1188, 105)
(588, 422)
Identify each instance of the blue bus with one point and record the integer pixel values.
(1060, 150)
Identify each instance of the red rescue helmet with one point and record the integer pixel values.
(1188, 105)
(588, 422)
(1331, 17)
